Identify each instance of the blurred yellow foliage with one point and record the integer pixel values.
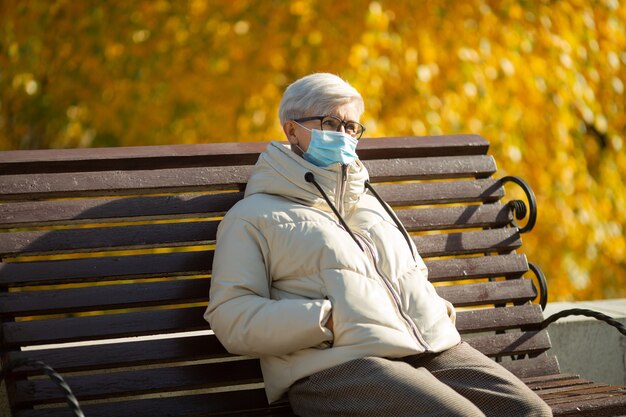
(543, 81)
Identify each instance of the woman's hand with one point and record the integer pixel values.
(329, 322)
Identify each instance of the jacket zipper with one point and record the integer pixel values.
(343, 179)
(394, 294)
(341, 190)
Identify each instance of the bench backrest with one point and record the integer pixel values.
(104, 245)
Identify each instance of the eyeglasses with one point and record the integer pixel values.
(354, 129)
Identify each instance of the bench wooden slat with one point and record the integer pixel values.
(479, 190)
(131, 157)
(121, 296)
(578, 397)
(443, 145)
(533, 367)
(512, 266)
(249, 403)
(591, 388)
(540, 385)
(189, 319)
(220, 154)
(176, 264)
(489, 215)
(105, 297)
(37, 332)
(405, 169)
(202, 232)
(497, 292)
(513, 343)
(128, 353)
(109, 238)
(109, 183)
(115, 355)
(497, 240)
(126, 383)
(579, 390)
(499, 318)
(557, 376)
(80, 211)
(106, 268)
(98, 210)
(605, 406)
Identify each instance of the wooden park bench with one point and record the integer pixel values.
(106, 263)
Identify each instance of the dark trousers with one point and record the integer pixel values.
(458, 382)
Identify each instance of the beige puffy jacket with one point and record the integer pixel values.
(283, 262)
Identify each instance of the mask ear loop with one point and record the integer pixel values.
(302, 151)
(299, 148)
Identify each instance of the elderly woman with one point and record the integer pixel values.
(314, 275)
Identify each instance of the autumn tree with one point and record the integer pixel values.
(543, 81)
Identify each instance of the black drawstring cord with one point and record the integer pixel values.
(392, 215)
(309, 177)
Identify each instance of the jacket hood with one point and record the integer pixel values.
(279, 171)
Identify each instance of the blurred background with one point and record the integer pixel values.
(543, 81)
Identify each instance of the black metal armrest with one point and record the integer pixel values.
(52, 374)
(584, 312)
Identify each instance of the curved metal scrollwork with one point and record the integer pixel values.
(543, 284)
(519, 207)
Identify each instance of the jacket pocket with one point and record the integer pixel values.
(328, 343)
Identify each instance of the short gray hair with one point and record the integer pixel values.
(317, 94)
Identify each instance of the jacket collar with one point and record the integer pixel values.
(279, 171)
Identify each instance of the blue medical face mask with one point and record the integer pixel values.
(328, 147)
